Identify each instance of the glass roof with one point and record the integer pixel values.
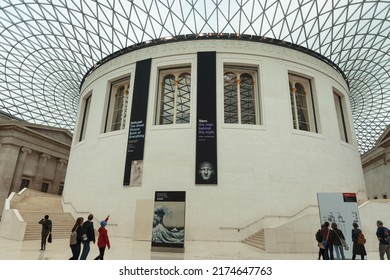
(46, 47)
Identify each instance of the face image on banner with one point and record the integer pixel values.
(206, 173)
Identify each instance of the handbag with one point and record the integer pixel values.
(49, 239)
(73, 238)
(321, 245)
(344, 244)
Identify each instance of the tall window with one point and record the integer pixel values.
(174, 102)
(240, 96)
(117, 105)
(87, 104)
(302, 104)
(338, 102)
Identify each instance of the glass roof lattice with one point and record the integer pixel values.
(46, 47)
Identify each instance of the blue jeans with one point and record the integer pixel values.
(339, 251)
(85, 251)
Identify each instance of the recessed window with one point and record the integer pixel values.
(341, 119)
(85, 114)
(240, 96)
(302, 104)
(44, 187)
(174, 98)
(117, 105)
(24, 184)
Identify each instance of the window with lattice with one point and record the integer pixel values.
(240, 96)
(117, 105)
(302, 103)
(174, 99)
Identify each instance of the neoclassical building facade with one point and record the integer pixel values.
(32, 156)
(250, 130)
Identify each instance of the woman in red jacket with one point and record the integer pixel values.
(103, 240)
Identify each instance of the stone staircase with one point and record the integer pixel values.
(34, 208)
(256, 240)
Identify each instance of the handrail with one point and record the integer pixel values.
(268, 216)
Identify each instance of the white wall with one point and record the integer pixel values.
(264, 170)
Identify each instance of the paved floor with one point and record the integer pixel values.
(127, 249)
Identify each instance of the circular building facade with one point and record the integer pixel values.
(250, 131)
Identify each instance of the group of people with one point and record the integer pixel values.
(332, 239)
(84, 233)
(81, 233)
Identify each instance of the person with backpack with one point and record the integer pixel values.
(383, 234)
(327, 241)
(358, 242)
(319, 239)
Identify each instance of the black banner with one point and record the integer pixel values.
(169, 221)
(136, 138)
(206, 126)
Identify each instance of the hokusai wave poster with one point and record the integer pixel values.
(168, 221)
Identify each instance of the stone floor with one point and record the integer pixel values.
(127, 249)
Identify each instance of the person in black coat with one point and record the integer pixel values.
(88, 236)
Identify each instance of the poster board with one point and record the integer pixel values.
(169, 221)
(342, 209)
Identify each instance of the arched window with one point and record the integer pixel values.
(240, 96)
(174, 102)
(339, 102)
(117, 105)
(302, 105)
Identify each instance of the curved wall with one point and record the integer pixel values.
(267, 169)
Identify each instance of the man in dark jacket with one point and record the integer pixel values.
(46, 229)
(383, 234)
(88, 236)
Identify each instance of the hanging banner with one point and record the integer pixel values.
(169, 221)
(136, 136)
(342, 209)
(206, 125)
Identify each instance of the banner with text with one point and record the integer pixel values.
(206, 126)
(136, 136)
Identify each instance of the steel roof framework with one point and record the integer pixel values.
(47, 46)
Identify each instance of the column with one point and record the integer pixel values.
(37, 182)
(8, 158)
(59, 174)
(17, 180)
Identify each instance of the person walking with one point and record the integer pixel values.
(358, 246)
(88, 236)
(46, 230)
(337, 236)
(103, 240)
(383, 235)
(328, 242)
(75, 238)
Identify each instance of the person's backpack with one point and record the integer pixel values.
(361, 239)
(319, 236)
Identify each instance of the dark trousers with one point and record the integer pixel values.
(101, 253)
(43, 240)
(76, 248)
